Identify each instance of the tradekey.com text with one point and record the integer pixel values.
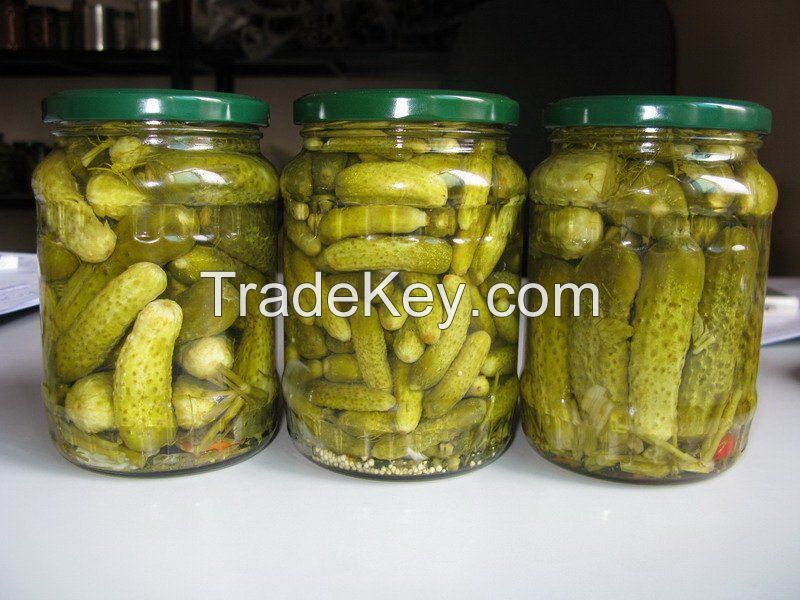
(344, 299)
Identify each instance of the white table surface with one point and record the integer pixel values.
(278, 526)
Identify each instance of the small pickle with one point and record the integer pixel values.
(197, 304)
(568, 233)
(196, 177)
(576, 177)
(387, 183)
(143, 379)
(370, 347)
(434, 362)
(84, 346)
(67, 213)
(672, 281)
(354, 221)
(349, 396)
(112, 195)
(649, 202)
(547, 391)
(89, 403)
(423, 254)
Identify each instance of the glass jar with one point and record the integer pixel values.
(417, 186)
(146, 194)
(661, 204)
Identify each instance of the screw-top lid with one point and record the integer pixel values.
(687, 112)
(130, 104)
(406, 105)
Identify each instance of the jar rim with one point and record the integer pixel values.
(680, 112)
(406, 105)
(132, 104)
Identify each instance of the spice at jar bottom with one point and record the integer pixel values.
(434, 196)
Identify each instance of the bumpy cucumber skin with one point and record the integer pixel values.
(370, 348)
(67, 213)
(671, 284)
(547, 390)
(459, 376)
(365, 423)
(434, 362)
(407, 345)
(389, 182)
(143, 379)
(354, 221)
(84, 346)
(419, 253)
(729, 290)
(600, 349)
(500, 361)
(349, 396)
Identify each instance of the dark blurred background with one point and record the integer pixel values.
(535, 51)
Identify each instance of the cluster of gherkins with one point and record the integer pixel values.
(672, 227)
(140, 375)
(440, 204)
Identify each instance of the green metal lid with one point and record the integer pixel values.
(406, 105)
(687, 112)
(131, 104)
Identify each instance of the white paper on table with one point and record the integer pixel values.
(779, 326)
(19, 282)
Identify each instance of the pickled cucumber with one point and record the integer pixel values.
(671, 284)
(388, 182)
(84, 346)
(548, 392)
(710, 370)
(67, 213)
(143, 379)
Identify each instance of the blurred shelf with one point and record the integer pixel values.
(336, 62)
(37, 63)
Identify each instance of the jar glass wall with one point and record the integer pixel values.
(671, 224)
(435, 200)
(141, 374)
